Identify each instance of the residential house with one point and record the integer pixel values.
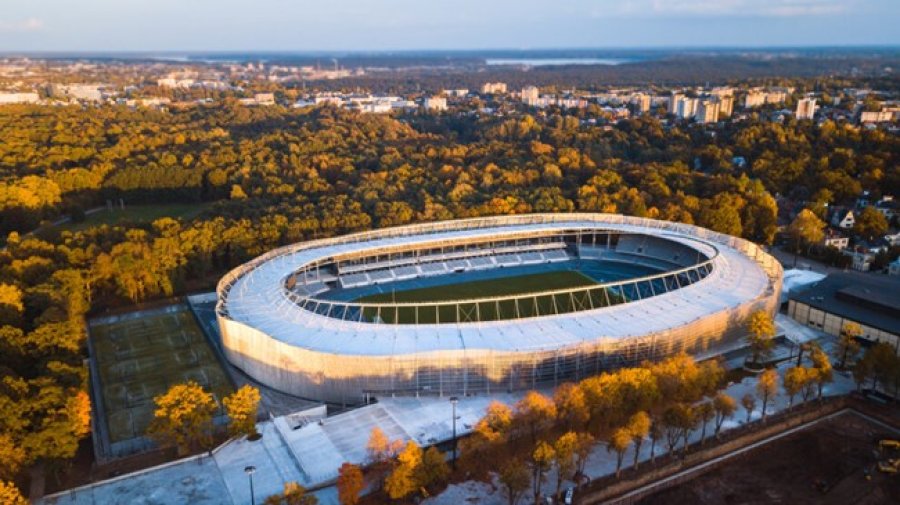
(843, 218)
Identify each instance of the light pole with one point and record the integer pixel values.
(250, 470)
(453, 401)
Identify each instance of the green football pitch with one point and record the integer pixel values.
(140, 355)
(490, 311)
(530, 283)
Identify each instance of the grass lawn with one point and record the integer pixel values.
(491, 311)
(530, 283)
(137, 214)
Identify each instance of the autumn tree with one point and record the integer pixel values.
(541, 461)
(403, 481)
(761, 329)
(806, 228)
(515, 479)
(533, 414)
(350, 484)
(584, 444)
(571, 405)
(862, 371)
(725, 407)
(678, 421)
(848, 343)
(870, 224)
(10, 495)
(564, 454)
(12, 456)
(618, 443)
(766, 388)
(880, 364)
(183, 417)
(705, 413)
(292, 494)
(479, 451)
(748, 401)
(721, 214)
(794, 380)
(638, 427)
(379, 448)
(433, 470)
(657, 433)
(822, 367)
(241, 407)
(295, 494)
(12, 306)
(808, 383)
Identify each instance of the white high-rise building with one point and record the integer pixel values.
(776, 97)
(673, 103)
(685, 107)
(84, 92)
(722, 91)
(641, 102)
(13, 97)
(726, 105)
(435, 103)
(754, 98)
(493, 88)
(806, 108)
(530, 95)
(757, 97)
(708, 111)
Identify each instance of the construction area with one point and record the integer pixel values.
(837, 461)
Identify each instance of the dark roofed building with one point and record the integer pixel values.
(873, 302)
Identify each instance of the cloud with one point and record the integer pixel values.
(699, 8)
(25, 25)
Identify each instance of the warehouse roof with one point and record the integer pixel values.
(868, 299)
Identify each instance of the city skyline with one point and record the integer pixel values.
(401, 25)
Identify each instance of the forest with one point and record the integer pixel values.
(274, 175)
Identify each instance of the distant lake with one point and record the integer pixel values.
(541, 62)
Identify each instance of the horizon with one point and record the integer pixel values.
(403, 25)
(615, 55)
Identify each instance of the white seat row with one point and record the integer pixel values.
(381, 275)
(509, 259)
(432, 268)
(558, 255)
(354, 280)
(407, 272)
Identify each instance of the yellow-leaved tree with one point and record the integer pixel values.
(10, 495)
(241, 407)
(402, 481)
(762, 329)
(183, 417)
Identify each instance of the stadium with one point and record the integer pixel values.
(488, 305)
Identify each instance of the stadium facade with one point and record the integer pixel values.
(295, 320)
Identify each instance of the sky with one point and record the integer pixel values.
(385, 25)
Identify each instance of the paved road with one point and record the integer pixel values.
(787, 260)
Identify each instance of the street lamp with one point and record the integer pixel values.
(250, 470)
(453, 401)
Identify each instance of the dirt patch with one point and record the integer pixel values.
(832, 462)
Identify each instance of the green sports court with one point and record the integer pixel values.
(140, 355)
